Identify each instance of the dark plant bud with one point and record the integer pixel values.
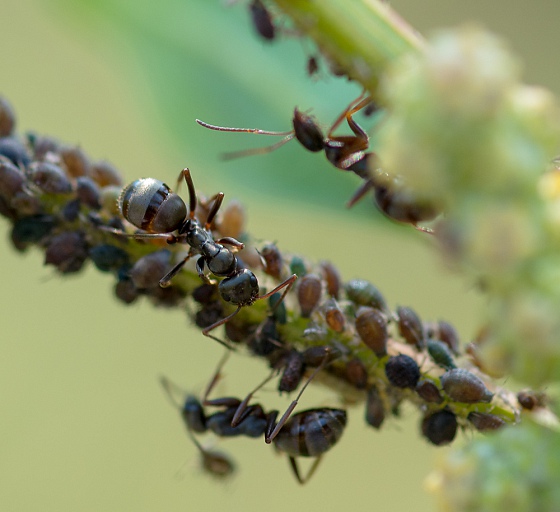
(402, 371)
(363, 293)
(49, 178)
(371, 326)
(463, 386)
(429, 392)
(309, 289)
(332, 278)
(410, 327)
(7, 118)
(67, 251)
(440, 427)
(375, 409)
(440, 354)
(484, 422)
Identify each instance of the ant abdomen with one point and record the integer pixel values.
(150, 205)
(312, 432)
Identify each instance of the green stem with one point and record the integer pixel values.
(360, 37)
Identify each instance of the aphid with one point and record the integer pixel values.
(309, 291)
(125, 290)
(108, 258)
(273, 261)
(7, 118)
(334, 317)
(12, 179)
(312, 65)
(440, 427)
(49, 178)
(529, 399)
(88, 192)
(441, 354)
(262, 20)
(332, 278)
(363, 293)
(484, 422)
(105, 174)
(375, 408)
(356, 373)
(410, 327)
(150, 205)
(463, 386)
(371, 326)
(14, 150)
(67, 251)
(75, 161)
(146, 271)
(402, 371)
(446, 333)
(429, 392)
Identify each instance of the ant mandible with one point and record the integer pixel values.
(309, 433)
(150, 205)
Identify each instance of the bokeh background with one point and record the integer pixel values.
(85, 425)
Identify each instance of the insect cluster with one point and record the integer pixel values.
(317, 328)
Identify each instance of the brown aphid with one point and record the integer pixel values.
(262, 20)
(273, 261)
(332, 278)
(105, 174)
(440, 427)
(49, 178)
(375, 409)
(371, 326)
(529, 399)
(217, 464)
(75, 161)
(232, 220)
(334, 316)
(7, 118)
(410, 327)
(125, 291)
(294, 368)
(463, 386)
(429, 392)
(484, 422)
(309, 292)
(356, 373)
(12, 179)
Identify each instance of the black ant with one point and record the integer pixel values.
(150, 205)
(348, 153)
(309, 433)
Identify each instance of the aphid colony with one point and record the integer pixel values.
(60, 201)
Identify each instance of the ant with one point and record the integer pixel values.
(150, 205)
(348, 153)
(309, 433)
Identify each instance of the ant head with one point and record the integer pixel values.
(308, 132)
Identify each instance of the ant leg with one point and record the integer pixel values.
(186, 174)
(288, 283)
(295, 469)
(170, 238)
(360, 102)
(269, 436)
(219, 197)
(239, 413)
(206, 331)
(200, 271)
(243, 130)
(165, 281)
(216, 377)
(228, 240)
(360, 193)
(257, 151)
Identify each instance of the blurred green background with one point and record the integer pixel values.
(85, 424)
